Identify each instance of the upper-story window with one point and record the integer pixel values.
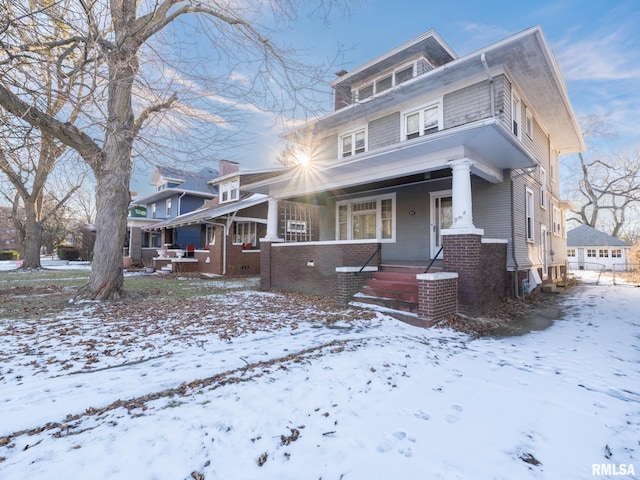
(529, 219)
(528, 125)
(543, 188)
(516, 115)
(229, 191)
(353, 143)
(422, 122)
(168, 212)
(153, 210)
(391, 79)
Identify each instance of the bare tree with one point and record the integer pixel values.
(112, 39)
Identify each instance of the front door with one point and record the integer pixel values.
(441, 218)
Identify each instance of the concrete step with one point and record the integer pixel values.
(391, 303)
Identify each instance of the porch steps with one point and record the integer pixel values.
(394, 287)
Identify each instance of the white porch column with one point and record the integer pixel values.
(462, 206)
(272, 222)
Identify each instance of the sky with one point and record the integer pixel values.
(595, 42)
(280, 392)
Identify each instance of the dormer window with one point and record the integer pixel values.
(384, 83)
(422, 122)
(390, 79)
(229, 191)
(404, 74)
(352, 143)
(365, 92)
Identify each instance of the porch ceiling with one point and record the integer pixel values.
(479, 142)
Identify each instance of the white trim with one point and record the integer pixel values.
(352, 133)
(493, 240)
(371, 198)
(437, 276)
(356, 269)
(532, 238)
(327, 242)
(420, 111)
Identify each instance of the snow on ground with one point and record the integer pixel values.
(364, 399)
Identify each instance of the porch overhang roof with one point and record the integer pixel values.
(169, 192)
(490, 147)
(209, 213)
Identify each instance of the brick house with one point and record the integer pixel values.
(429, 160)
(225, 231)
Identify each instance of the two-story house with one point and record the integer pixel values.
(177, 192)
(426, 157)
(225, 231)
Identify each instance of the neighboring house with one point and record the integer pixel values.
(8, 234)
(591, 249)
(226, 230)
(177, 192)
(430, 156)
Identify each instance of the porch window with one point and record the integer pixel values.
(210, 235)
(151, 240)
(603, 253)
(244, 233)
(571, 252)
(352, 143)
(295, 226)
(229, 191)
(366, 218)
(616, 253)
(422, 122)
(529, 204)
(168, 210)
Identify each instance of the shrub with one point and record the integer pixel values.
(9, 255)
(68, 253)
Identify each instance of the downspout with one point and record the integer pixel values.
(516, 285)
(180, 202)
(492, 94)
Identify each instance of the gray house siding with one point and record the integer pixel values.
(467, 105)
(384, 131)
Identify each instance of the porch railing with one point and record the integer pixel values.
(433, 260)
(369, 259)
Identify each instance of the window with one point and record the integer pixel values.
(368, 218)
(591, 252)
(210, 235)
(384, 84)
(365, 92)
(296, 226)
(229, 191)
(603, 253)
(616, 253)
(543, 188)
(422, 122)
(528, 126)
(529, 204)
(571, 252)
(168, 207)
(244, 233)
(557, 221)
(153, 210)
(516, 114)
(404, 74)
(352, 143)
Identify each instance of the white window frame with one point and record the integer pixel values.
(373, 83)
(153, 210)
(353, 151)
(296, 226)
(556, 217)
(168, 208)
(592, 253)
(603, 253)
(529, 215)
(229, 191)
(420, 111)
(245, 232)
(543, 188)
(516, 114)
(571, 252)
(210, 235)
(544, 249)
(528, 123)
(379, 220)
(616, 253)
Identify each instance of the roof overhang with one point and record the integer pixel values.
(169, 192)
(489, 146)
(205, 215)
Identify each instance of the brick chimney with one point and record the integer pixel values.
(225, 167)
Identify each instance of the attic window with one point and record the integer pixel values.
(365, 92)
(229, 191)
(384, 84)
(404, 74)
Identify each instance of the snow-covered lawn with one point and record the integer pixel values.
(252, 385)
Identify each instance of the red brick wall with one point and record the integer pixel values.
(495, 279)
(289, 270)
(438, 298)
(461, 254)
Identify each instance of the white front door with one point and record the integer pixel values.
(441, 218)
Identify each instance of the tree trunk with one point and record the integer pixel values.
(33, 237)
(113, 174)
